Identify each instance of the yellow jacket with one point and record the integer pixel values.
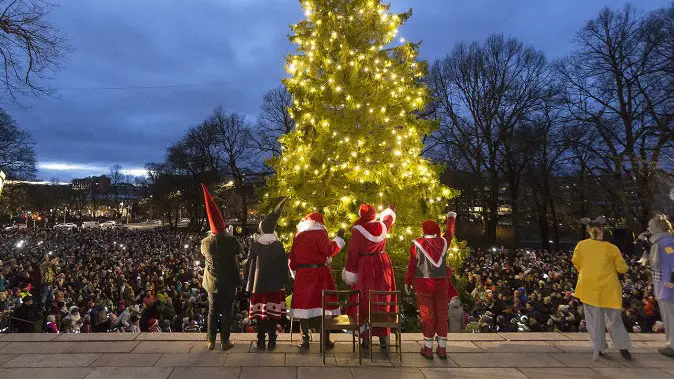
(598, 264)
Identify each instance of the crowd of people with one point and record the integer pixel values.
(150, 280)
(528, 290)
(96, 280)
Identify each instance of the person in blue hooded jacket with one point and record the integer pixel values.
(661, 257)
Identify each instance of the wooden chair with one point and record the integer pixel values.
(383, 319)
(341, 322)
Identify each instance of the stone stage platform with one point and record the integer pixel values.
(174, 355)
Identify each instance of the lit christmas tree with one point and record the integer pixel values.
(356, 95)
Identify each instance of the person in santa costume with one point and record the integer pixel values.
(429, 275)
(267, 276)
(368, 266)
(221, 273)
(311, 252)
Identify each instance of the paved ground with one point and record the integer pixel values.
(168, 355)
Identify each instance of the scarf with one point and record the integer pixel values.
(653, 254)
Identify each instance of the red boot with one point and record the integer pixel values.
(442, 352)
(427, 352)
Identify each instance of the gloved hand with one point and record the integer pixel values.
(408, 289)
(340, 233)
(328, 260)
(451, 214)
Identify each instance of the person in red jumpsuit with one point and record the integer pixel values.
(429, 275)
(368, 266)
(311, 252)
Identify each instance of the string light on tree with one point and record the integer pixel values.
(356, 93)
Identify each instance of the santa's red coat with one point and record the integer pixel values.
(368, 266)
(312, 246)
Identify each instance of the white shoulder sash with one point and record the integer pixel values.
(442, 256)
(369, 236)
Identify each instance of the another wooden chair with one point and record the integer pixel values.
(382, 319)
(341, 322)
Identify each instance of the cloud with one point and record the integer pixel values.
(70, 170)
(229, 52)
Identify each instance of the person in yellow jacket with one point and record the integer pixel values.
(598, 264)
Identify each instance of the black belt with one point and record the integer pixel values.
(315, 265)
(371, 254)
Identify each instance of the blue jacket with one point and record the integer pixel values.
(666, 263)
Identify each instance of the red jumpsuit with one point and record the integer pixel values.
(368, 266)
(429, 274)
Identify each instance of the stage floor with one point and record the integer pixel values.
(183, 355)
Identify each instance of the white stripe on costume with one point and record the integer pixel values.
(369, 236)
(340, 242)
(313, 312)
(349, 277)
(388, 212)
(439, 262)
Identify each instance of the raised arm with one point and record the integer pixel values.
(388, 217)
(450, 225)
(330, 248)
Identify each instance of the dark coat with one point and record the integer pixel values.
(28, 319)
(268, 266)
(221, 271)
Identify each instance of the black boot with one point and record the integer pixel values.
(304, 345)
(626, 354)
(260, 341)
(272, 341)
(329, 345)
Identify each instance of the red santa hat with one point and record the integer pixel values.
(316, 217)
(366, 213)
(215, 219)
(430, 228)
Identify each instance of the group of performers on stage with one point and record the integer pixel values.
(368, 267)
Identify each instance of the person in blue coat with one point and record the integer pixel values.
(661, 257)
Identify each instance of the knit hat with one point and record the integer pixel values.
(430, 228)
(268, 224)
(215, 219)
(599, 221)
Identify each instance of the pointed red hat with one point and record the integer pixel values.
(215, 219)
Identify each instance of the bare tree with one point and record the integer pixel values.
(30, 46)
(485, 90)
(274, 121)
(17, 158)
(617, 83)
(239, 157)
